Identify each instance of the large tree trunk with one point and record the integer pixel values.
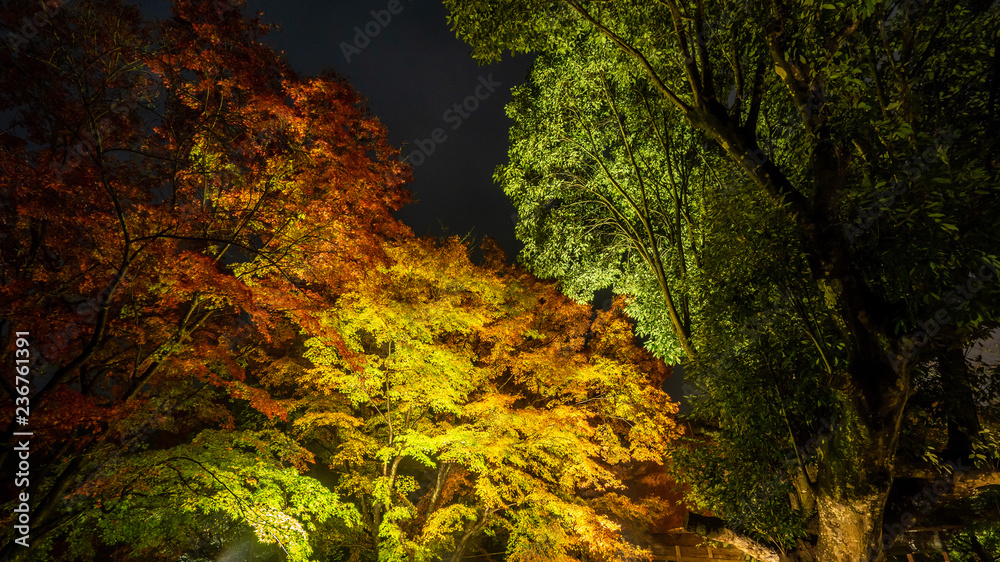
(849, 528)
(856, 472)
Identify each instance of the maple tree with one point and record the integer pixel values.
(175, 201)
(475, 401)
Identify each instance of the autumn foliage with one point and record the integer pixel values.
(235, 340)
(481, 402)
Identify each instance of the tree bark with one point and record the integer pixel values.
(849, 528)
(469, 533)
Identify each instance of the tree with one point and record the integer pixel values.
(177, 203)
(473, 402)
(604, 198)
(835, 117)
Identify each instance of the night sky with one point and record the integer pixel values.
(413, 71)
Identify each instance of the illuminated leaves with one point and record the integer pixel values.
(474, 397)
(243, 476)
(177, 204)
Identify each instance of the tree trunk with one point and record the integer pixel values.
(849, 528)
(470, 532)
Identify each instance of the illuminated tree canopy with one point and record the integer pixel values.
(237, 346)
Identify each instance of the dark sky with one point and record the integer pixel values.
(414, 70)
